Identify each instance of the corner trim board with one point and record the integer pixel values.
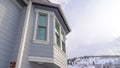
(23, 37)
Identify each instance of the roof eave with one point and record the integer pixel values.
(55, 6)
(66, 22)
(22, 2)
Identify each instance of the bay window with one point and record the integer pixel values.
(59, 36)
(63, 40)
(57, 32)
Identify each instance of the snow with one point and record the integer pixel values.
(92, 62)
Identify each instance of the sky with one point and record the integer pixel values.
(95, 26)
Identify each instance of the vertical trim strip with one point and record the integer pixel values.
(24, 35)
(35, 27)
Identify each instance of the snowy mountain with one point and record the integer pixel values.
(94, 62)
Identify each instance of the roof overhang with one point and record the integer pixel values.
(52, 5)
(22, 2)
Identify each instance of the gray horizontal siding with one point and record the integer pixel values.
(9, 19)
(5, 53)
(25, 62)
(19, 33)
(36, 65)
(4, 64)
(43, 50)
(36, 49)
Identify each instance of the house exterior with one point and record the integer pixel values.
(32, 34)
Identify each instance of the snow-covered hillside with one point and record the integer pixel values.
(95, 62)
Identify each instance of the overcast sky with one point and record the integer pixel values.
(95, 26)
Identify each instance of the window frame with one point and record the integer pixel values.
(42, 26)
(60, 35)
(38, 11)
(63, 40)
(57, 33)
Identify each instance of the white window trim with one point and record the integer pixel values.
(63, 33)
(63, 40)
(57, 32)
(60, 48)
(48, 24)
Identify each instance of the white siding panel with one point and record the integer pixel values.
(59, 57)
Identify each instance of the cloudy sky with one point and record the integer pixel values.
(95, 26)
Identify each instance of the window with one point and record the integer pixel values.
(57, 26)
(42, 21)
(59, 36)
(63, 40)
(57, 32)
(58, 40)
(63, 47)
(62, 35)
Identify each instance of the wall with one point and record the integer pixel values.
(41, 49)
(55, 10)
(59, 57)
(9, 20)
(36, 49)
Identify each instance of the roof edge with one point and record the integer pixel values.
(55, 6)
(63, 15)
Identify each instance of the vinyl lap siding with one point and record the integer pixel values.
(29, 39)
(19, 33)
(9, 16)
(59, 57)
(41, 49)
(36, 49)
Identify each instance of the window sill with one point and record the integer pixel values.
(40, 41)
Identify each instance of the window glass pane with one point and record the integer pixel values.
(41, 34)
(57, 26)
(57, 40)
(62, 35)
(63, 47)
(42, 20)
